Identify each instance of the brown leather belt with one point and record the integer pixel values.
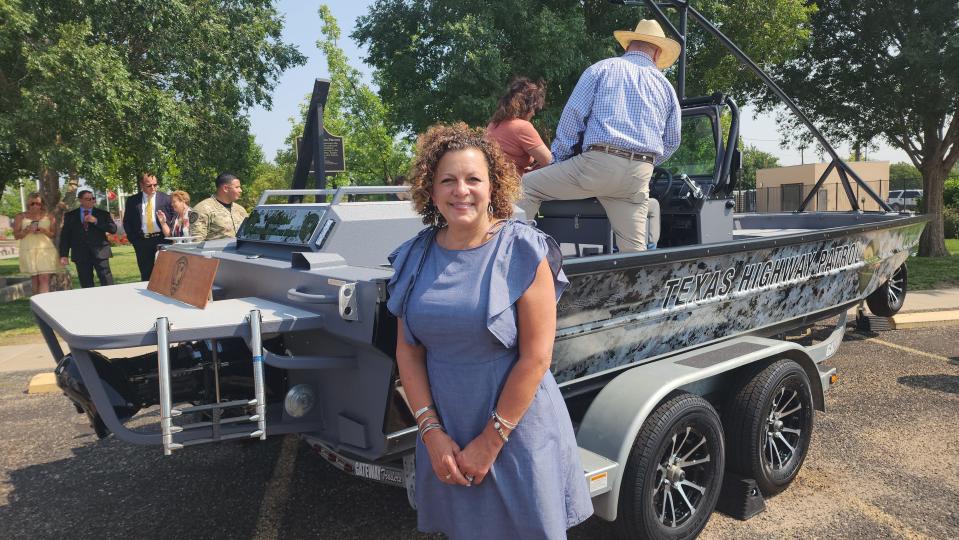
(612, 150)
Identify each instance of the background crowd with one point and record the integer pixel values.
(150, 219)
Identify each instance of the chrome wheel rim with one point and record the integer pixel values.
(894, 288)
(682, 475)
(784, 426)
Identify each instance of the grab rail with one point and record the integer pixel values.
(337, 193)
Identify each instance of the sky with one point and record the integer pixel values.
(302, 28)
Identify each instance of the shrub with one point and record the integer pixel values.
(118, 240)
(950, 194)
(950, 218)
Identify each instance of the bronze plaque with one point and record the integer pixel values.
(187, 278)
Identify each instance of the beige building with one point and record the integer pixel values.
(783, 189)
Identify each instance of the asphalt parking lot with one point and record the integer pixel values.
(884, 463)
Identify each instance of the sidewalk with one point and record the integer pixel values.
(35, 356)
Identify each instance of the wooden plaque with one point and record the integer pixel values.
(187, 278)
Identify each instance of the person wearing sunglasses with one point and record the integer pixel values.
(144, 217)
(35, 230)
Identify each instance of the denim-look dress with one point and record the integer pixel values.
(461, 306)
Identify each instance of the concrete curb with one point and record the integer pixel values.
(925, 319)
(43, 383)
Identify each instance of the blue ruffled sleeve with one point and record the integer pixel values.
(406, 262)
(519, 254)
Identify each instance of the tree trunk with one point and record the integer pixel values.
(50, 188)
(933, 243)
(66, 200)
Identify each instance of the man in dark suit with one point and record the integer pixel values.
(141, 222)
(84, 237)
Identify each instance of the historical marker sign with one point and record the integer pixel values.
(334, 154)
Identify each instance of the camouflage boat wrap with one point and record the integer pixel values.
(613, 318)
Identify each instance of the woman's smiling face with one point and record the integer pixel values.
(461, 187)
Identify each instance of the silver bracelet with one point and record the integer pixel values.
(499, 431)
(430, 427)
(422, 421)
(503, 421)
(420, 412)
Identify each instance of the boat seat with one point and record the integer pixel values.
(584, 221)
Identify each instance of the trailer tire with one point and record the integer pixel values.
(888, 299)
(658, 490)
(767, 439)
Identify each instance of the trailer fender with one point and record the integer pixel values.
(616, 415)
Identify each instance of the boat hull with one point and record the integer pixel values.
(630, 310)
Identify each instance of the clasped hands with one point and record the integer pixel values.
(463, 467)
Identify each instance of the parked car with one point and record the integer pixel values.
(904, 199)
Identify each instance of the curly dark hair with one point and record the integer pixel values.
(522, 97)
(440, 139)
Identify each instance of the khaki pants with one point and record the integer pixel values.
(621, 185)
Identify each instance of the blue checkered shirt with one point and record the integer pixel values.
(624, 102)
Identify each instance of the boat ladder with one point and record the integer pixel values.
(168, 412)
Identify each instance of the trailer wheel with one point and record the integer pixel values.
(888, 299)
(769, 424)
(674, 472)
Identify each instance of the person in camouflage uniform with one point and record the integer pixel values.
(219, 216)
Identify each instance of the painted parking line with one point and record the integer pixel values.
(824, 479)
(909, 350)
(880, 516)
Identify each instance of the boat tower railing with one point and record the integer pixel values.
(686, 12)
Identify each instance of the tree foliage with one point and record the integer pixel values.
(375, 153)
(103, 89)
(446, 60)
(753, 160)
(886, 69)
(904, 176)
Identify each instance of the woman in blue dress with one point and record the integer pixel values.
(475, 297)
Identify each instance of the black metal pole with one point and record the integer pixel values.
(848, 187)
(865, 186)
(319, 156)
(685, 10)
(815, 188)
(731, 143)
(681, 78)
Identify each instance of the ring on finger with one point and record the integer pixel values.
(448, 476)
(469, 478)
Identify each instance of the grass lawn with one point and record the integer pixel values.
(16, 320)
(935, 273)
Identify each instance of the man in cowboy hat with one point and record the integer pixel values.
(625, 117)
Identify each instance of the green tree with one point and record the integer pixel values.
(753, 160)
(446, 60)
(904, 176)
(104, 89)
(887, 69)
(376, 154)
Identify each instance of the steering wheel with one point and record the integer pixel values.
(660, 183)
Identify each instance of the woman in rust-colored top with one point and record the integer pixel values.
(510, 127)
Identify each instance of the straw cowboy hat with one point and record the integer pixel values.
(649, 31)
